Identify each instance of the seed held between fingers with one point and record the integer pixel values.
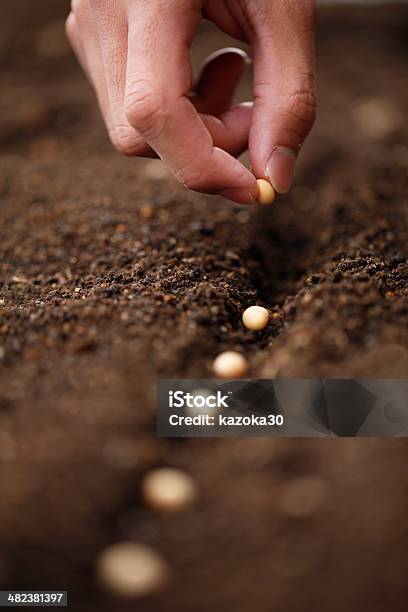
(266, 193)
(230, 365)
(255, 318)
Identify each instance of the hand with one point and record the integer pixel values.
(136, 55)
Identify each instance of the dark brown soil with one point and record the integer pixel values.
(110, 279)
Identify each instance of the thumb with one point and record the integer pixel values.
(284, 90)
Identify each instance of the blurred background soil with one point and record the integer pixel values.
(112, 276)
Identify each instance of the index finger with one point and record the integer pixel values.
(158, 80)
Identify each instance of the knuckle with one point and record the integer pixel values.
(241, 175)
(295, 109)
(126, 141)
(299, 110)
(191, 177)
(302, 104)
(143, 107)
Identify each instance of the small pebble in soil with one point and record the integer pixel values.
(255, 318)
(266, 193)
(230, 365)
(168, 489)
(131, 570)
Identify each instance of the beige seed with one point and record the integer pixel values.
(266, 193)
(255, 318)
(168, 489)
(155, 169)
(303, 495)
(230, 365)
(131, 570)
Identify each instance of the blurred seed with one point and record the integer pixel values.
(131, 570)
(230, 364)
(302, 496)
(168, 489)
(378, 117)
(155, 169)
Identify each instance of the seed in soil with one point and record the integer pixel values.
(255, 318)
(131, 570)
(156, 170)
(230, 364)
(302, 496)
(168, 489)
(266, 193)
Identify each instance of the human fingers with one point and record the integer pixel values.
(157, 104)
(284, 89)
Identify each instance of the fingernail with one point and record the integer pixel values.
(238, 195)
(280, 168)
